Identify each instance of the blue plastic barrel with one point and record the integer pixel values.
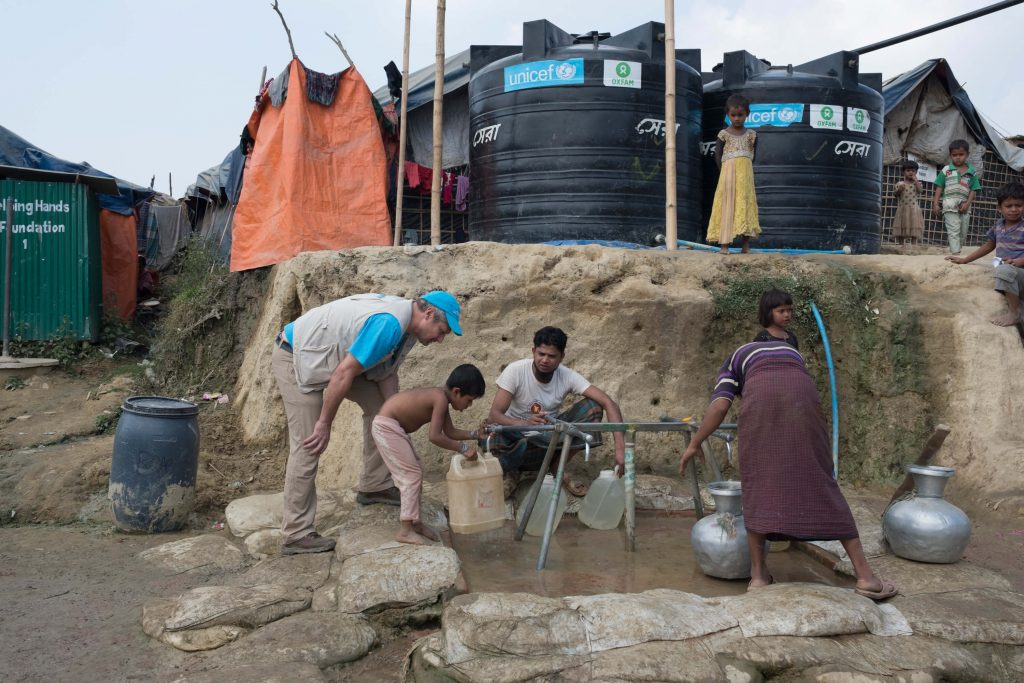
(156, 456)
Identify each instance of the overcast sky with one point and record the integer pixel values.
(144, 87)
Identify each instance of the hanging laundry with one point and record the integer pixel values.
(426, 179)
(446, 188)
(412, 174)
(141, 237)
(278, 89)
(321, 88)
(262, 92)
(461, 192)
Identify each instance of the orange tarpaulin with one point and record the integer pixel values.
(316, 178)
(119, 263)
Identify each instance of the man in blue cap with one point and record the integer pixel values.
(347, 349)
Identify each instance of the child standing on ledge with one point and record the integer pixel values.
(908, 225)
(955, 187)
(734, 212)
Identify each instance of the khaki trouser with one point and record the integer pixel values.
(303, 410)
(956, 229)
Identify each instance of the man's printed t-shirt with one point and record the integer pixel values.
(518, 379)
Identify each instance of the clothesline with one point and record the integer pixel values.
(453, 186)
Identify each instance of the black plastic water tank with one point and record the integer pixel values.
(568, 138)
(156, 456)
(818, 162)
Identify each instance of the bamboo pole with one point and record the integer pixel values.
(670, 126)
(400, 176)
(435, 185)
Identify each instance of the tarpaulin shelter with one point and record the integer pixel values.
(925, 109)
(117, 218)
(212, 200)
(317, 176)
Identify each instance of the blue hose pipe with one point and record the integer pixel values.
(707, 247)
(832, 386)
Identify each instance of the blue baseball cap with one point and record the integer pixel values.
(447, 304)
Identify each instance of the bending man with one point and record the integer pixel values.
(347, 349)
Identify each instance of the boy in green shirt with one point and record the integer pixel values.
(955, 188)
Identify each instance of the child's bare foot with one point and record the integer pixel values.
(426, 531)
(745, 249)
(409, 536)
(723, 250)
(1006, 319)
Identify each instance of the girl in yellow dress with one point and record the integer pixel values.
(734, 212)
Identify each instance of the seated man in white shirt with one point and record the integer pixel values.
(531, 389)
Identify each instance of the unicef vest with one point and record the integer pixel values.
(321, 337)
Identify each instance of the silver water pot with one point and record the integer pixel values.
(720, 540)
(926, 527)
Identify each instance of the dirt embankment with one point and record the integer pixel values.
(652, 328)
(910, 340)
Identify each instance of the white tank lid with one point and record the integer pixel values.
(549, 479)
(607, 474)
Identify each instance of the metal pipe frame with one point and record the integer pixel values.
(568, 430)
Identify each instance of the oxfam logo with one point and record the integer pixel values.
(622, 70)
(565, 70)
(859, 116)
(827, 113)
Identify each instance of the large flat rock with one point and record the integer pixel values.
(809, 609)
(974, 615)
(209, 552)
(248, 607)
(914, 578)
(320, 638)
(277, 672)
(396, 577)
(308, 571)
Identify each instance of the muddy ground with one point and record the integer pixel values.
(73, 590)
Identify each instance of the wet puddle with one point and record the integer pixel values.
(584, 561)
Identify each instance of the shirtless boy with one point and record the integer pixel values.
(403, 414)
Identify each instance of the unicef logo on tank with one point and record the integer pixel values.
(544, 74)
(778, 115)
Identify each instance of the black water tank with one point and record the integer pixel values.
(156, 456)
(568, 138)
(818, 163)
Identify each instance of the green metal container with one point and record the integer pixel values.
(56, 278)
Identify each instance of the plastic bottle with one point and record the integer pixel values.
(476, 499)
(604, 503)
(539, 518)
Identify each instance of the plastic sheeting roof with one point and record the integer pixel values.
(898, 88)
(17, 151)
(225, 177)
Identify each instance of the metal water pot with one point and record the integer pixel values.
(720, 540)
(927, 528)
